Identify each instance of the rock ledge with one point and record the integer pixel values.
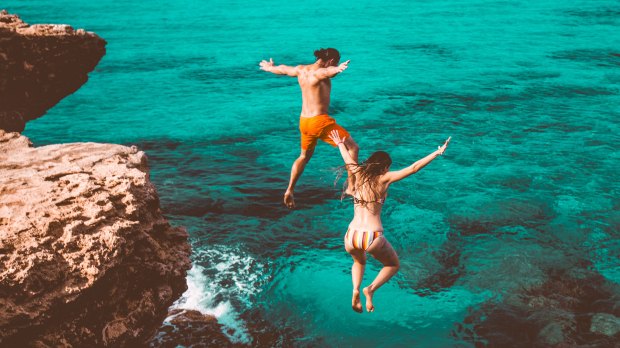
(40, 65)
(87, 257)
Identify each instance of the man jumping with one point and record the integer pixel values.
(314, 122)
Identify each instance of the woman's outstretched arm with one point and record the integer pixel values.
(394, 176)
(335, 136)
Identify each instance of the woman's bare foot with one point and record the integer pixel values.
(289, 200)
(356, 303)
(368, 293)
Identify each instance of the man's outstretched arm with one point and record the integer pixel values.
(331, 71)
(278, 70)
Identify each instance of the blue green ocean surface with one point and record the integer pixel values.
(511, 239)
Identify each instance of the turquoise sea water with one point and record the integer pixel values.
(525, 201)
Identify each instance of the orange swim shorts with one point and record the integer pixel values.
(318, 127)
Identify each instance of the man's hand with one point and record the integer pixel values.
(331, 71)
(266, 65)
(343, 66)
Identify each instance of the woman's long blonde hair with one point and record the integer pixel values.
(369, 172)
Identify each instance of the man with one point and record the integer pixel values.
(314, 122)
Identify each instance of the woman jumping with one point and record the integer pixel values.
(365, 232)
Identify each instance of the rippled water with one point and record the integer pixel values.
(510, 238)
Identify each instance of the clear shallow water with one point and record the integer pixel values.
(526, 196)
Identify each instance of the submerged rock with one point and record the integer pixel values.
(605, 324)
(567, 310)
(40, 65)
(87, 257)
(192, 329)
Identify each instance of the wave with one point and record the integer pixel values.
(221, 283)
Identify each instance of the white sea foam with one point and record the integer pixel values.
(228, 275)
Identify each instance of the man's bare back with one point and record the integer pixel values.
(315, 93)
(314, 81)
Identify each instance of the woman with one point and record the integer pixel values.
(365, 233)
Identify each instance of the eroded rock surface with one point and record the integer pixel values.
(86, 257)
(190, 328)
(40, 65)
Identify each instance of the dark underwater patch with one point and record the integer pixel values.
(151, 63)
(565, 91)
(189, 177)
(530, 214)
(425, 49)
(448, 256)
(195, 206)
(527, 75)
(158, 145)
(600, 57)
(599, 16)
(517, 183)
(211, 75)
(285, 330)
(563, 311)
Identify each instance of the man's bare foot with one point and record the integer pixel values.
(356, 303)
(368, 293)
(289, 200)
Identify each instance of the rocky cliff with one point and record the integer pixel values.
(40, 65)
(86, 257)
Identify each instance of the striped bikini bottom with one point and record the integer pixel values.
(361, 239)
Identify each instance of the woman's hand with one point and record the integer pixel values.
(335, 137)
(441, 149)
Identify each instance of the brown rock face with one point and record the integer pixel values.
(40, 65)
(86, 257)
(191, 329)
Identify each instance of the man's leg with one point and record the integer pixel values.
(298, 168)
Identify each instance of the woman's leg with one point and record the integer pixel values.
(357, 273)
(381, 250)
